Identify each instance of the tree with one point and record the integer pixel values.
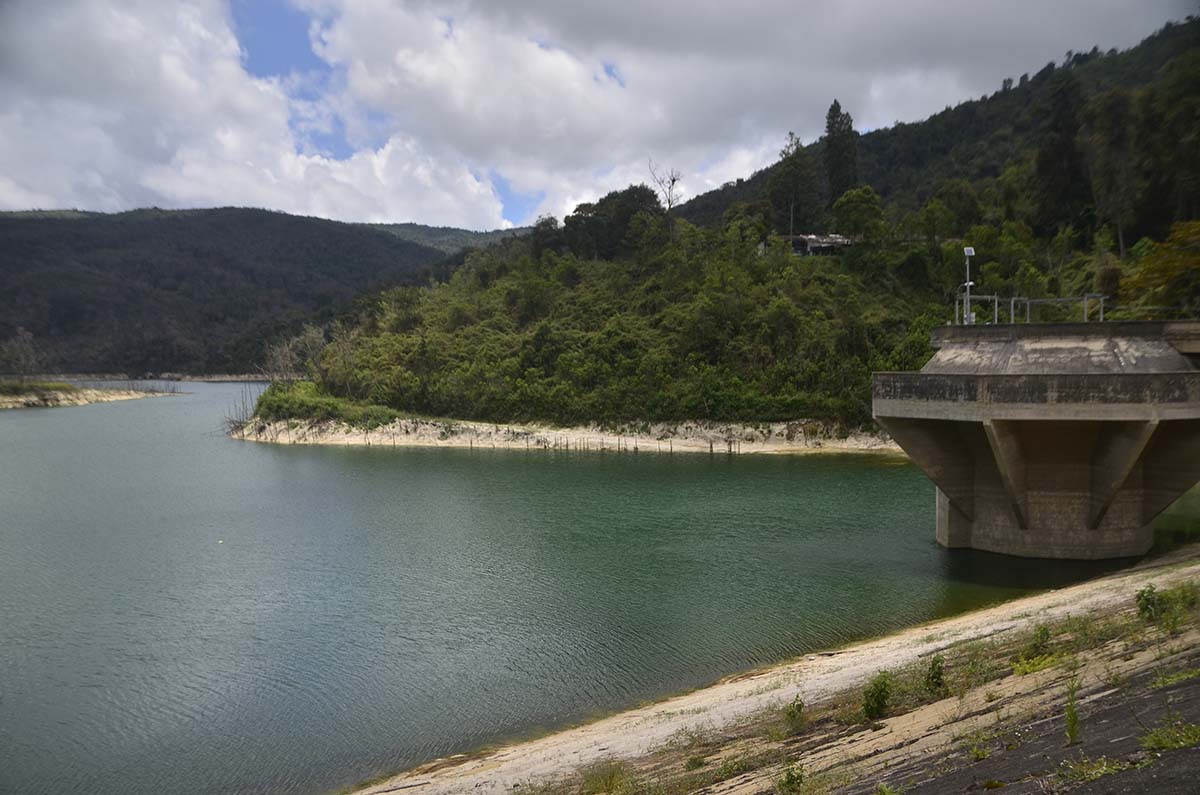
(1059, 178)
(668, 187)
(294, 357)
(1108, 139)
(792, 189)
(1180, 101)
(959, 198)
(936, 221)
(841, 151)
(858, 213)
(1170, 274)
(19, 356)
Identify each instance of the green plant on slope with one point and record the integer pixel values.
(793, 716)
(1172, 734)
(1072, 712)
(877, 695)
(935, 676)
(791, 782)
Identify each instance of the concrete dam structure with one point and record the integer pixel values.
(1060, 440)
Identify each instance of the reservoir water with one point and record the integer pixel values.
(181, 612)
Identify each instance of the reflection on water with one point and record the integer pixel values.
(181, 612)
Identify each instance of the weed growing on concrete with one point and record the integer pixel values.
(977, 664)
(791, 782)
(1038, 644)
(1072, 712)
(978, 746)
(1173, 733)
(1083, 769)
(935, 676)
(1032, 665)
(608, 776)
(733, 766)
(877, 695)
(1168, 607)
(1165, 679)
(794, 718)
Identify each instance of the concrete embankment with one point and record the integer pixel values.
(1001, 699)
(682, 437)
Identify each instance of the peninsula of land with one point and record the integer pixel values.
(52, 395)
(680, 437)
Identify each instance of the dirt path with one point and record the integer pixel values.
(638, 732)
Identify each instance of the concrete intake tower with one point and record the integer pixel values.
(1060, 440)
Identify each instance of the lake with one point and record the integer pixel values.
(182, 612)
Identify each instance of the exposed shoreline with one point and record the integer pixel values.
(75, 397)
(642, 731)
(682, 437)
(209, 378)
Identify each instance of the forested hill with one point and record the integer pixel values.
(448, 239)
(184, 291)
(992, 138)
(1081, 179)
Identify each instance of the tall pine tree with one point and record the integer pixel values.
(792, 190)
(841, 152)
(1060, 178)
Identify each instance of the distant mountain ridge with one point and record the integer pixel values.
(190, 290)
(448, 239)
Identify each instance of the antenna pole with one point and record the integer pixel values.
(967, 317)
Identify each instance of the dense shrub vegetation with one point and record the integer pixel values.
(706, 326)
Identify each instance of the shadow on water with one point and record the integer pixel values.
(1178, 526)
(975, 567)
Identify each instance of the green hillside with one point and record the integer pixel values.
(191, 290)
(447, 239)
(989, 142)
(1082, 179)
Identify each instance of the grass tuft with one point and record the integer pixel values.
(1072, 712)
(1174, 678)
(603, 778)
(1173, 734)
(1083, 769)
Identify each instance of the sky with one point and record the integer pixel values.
(480, 115)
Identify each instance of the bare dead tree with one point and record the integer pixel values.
(294, 357)
(19, 356)
(668, 187)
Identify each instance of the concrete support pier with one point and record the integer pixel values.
(1052, 440)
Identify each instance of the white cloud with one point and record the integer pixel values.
(112, 104)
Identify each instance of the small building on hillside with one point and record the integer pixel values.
(817, 245)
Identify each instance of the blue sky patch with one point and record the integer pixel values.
(274, 36)
(610, 69)
(518, 207)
